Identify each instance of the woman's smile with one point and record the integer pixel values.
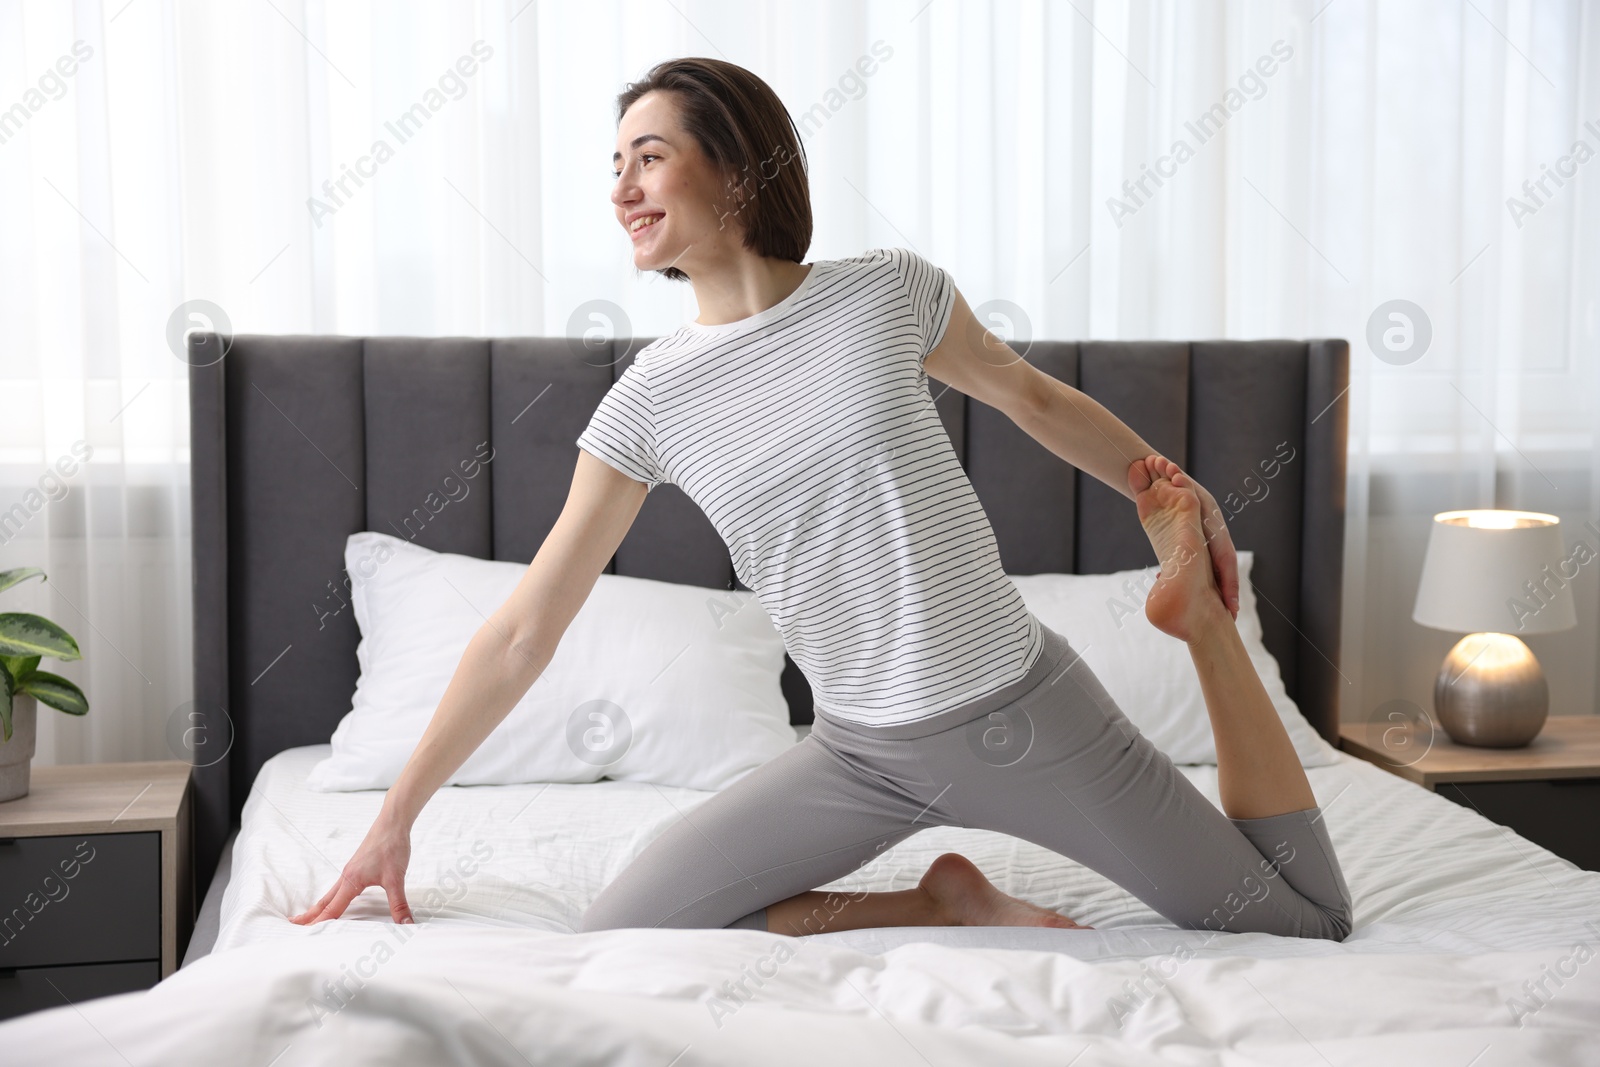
(644, 224)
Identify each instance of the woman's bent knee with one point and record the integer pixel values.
(618, 909)
(1267, 914)
(591, 921)
(596, 918)
(614, 911)
(1335, 925)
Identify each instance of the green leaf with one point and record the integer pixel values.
(20, 574)
(24, 634)
(19, 667)
(56, 691)
(5, 703)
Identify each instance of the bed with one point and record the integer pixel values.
(1471, 945)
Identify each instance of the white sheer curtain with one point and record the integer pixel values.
(1339, 155)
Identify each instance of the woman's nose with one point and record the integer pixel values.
(623, 190)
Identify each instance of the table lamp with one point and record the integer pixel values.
(1493, 575)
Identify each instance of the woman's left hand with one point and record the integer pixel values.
(1224, 559)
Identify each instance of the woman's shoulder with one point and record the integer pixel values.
(872, 257)
(661, 347)
(902, 262)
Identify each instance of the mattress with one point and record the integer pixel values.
(1472, 946)
(1424, 873)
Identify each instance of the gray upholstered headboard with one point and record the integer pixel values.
(467, 445)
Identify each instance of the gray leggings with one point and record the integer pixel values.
(1049, 759)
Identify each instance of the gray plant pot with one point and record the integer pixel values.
(16, 755)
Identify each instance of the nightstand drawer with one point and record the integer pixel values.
(36, 988)
(1562, 815)
(92, 898)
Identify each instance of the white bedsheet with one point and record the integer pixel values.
(1425, 874)
(1471, 946)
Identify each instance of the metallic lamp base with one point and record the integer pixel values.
(1491, 692)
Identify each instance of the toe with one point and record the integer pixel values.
(1139, 476)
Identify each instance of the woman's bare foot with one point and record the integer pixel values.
(1184, 599)
(964, 897)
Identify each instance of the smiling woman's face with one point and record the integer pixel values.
(668, 189)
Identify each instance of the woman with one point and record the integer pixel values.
(796, 413)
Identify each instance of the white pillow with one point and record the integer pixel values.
(1150, 674)
(653, 681)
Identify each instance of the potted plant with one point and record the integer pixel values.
(24, 638)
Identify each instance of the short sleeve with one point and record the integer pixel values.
(622, 431)
(932, 292)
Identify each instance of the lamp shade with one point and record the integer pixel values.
(1496, 572)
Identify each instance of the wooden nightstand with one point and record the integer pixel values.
(1548, 791)
(96, 882)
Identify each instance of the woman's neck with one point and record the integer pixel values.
(745, 287)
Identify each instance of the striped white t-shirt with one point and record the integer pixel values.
(808, 436)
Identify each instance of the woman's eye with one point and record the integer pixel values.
(618, 173)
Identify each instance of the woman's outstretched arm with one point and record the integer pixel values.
(1065, 420)
(501, 662)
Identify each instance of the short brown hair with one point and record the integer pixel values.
(745, 130)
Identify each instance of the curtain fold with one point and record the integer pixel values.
(1086, 170)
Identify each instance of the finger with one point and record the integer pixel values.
(1227, 566)
(306, 915)
(348, 891)
(399, 910)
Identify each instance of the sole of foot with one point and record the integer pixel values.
(1184, 598)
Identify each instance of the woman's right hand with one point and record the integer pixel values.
(380, 860)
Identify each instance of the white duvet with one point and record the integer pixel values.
(1472, 946)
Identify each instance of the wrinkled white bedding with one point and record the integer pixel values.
(1425, 874)
(1469, 942)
